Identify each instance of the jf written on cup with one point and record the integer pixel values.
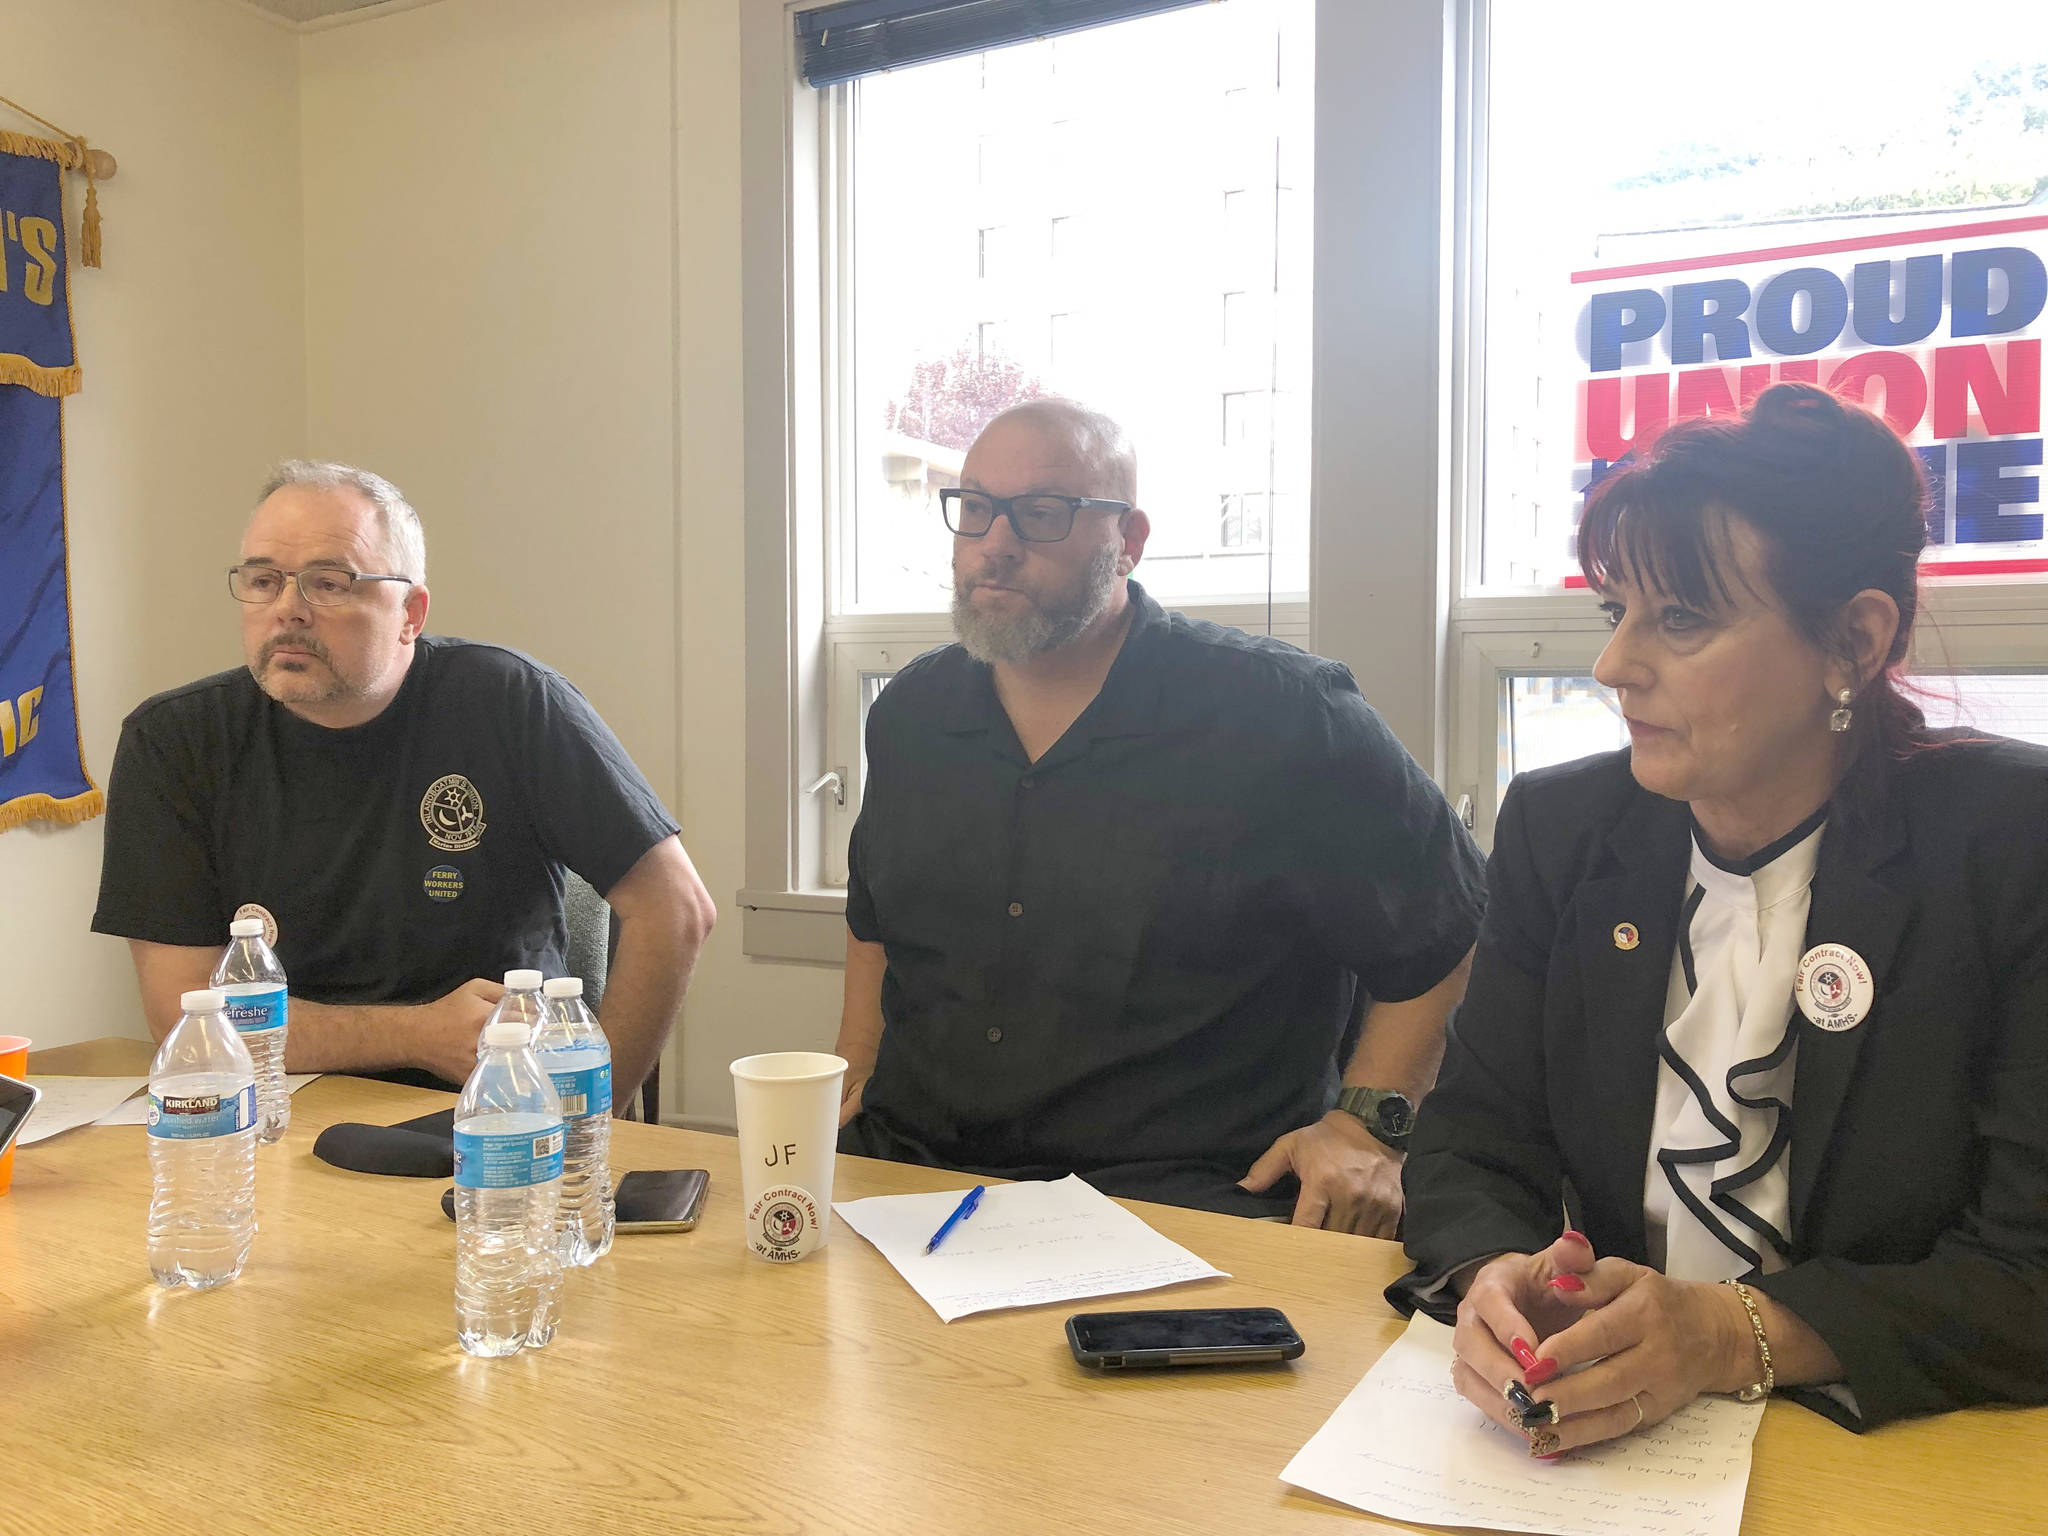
(788, 1104)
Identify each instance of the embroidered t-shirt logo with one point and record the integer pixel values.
(453, 814)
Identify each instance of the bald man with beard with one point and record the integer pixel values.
(1135, 896)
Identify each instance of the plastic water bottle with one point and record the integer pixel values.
(508, 1186)
(202, 1149)
(249, 976)
(521, 1004)
(574, 1052)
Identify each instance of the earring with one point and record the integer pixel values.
(1125, 565)
(1838, 722)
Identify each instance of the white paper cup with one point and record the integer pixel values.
(788, 1105)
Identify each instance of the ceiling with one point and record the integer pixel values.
(312, 10)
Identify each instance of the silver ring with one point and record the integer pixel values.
(1637, 1399)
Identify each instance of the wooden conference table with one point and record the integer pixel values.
(694, 1388)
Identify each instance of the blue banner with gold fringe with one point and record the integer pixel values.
(42, 767)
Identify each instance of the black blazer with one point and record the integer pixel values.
(1919, 1157)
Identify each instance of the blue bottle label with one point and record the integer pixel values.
(588, 1092)
(508, 1162)
(195, 1117)
(255, 1013)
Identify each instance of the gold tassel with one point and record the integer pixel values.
(54, 382)
(89, 226)
(71, 155)
(68, 812)
(34, 148)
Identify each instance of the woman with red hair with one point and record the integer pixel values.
(1750, 1087)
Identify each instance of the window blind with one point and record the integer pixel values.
(862, 37)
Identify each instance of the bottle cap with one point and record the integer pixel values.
(246, 928)
(522, 981)
(562, 986)
(205, 1000)
(505, 1034)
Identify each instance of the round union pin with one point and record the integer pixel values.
(1626, 936)
(784, 1224)
(256, 909)
(1833, 987)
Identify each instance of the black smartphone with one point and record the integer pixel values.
(660, 1199)
(1136, 1341)
(16, 1100)
(647, 1199)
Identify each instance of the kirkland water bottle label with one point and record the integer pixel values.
(508, 1162)
(588, 1092)
(193, 1117)
(256, 1013)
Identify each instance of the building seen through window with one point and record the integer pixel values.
(1069, 217)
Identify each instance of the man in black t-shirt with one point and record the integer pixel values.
(1119, 877)
(398, 807)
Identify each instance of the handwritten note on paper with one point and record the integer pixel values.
(1405, 1444)
(69, 1102)
(1029, 1244)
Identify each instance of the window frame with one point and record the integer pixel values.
(1379, 575)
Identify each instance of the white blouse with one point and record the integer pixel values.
(1716, 1187)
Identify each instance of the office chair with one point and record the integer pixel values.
(593, 940)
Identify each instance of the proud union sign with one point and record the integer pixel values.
(1939, 329)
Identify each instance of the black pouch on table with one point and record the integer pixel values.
(412, 1149)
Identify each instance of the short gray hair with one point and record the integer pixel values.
(404, 540)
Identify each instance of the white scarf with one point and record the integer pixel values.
(1716, 1194)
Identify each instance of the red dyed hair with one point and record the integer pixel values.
(1841, 504)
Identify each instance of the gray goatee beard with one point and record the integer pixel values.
(993, 638)
(302, 687)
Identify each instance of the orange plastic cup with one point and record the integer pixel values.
(13, 1063)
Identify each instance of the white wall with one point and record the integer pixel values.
(523, 295)
(191, 341)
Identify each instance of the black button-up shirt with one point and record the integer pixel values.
(1136, 957)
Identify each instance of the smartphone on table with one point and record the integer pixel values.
(16, 1100)
(660, 1199)
(646, 1200)
(1132, 1341)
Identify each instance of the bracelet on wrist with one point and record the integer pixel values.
(1759, 1389)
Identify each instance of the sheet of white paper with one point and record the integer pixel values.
(136, 1111)
(68, 1102)
(1405, 1444)
(1027, 1245)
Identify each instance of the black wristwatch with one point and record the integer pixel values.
(1383, 1111)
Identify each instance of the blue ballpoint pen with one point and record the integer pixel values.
(961, 1212)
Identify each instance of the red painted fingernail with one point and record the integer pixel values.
(1577, 1236)
(1567, 1283)
(1551, 1457)
(1525, 1357)
(1538, 1373)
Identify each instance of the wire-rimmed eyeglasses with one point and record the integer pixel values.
(323, 586)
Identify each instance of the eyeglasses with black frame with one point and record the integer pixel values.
(323, 586)
(1039, 518)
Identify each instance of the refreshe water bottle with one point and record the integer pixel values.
(249, 976)
(202, 1148)
(573, 1051)
(521, 1004)
(508, 1186)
